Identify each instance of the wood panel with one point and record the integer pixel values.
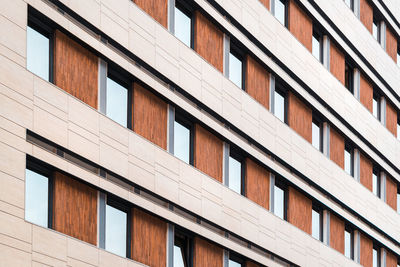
(75, 209)
(149, 116)
(300, 25)
(207, 254)
(266, 3)
(300, 210)
(391, 259)
(366, 14)
(391, 44)
(365, 172)
(75, 69)
(251, 264)
(391, 192)
(366, 247)
(336, 237)
(336, 147)
(209, 41)
(158, 9)
(337, 63)
(208, 153)
(149, 239)
(391, 118)
(366, 93)
(257, 82)
(257, 183)
(299, 117)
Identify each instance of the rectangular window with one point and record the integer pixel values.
(235, 66)
(317, 45)
(280, 201)
(183, 24)
(398, 199)
(235, 261)
(376, 183)
(117, 100)
(376, 256)
(280, 11)
(348, 78)
(376, 31)
(350, 4)
(36, 198)
(376, 106)
(398, 53)
(348, 243)
(317, 223)
(183, 247)
(235, 172)
(398, 126)
(116, 228)
(38, 52)
(348, 160)
(280, 105)
(183, 140)
(317, 134)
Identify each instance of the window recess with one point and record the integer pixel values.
(184, 23)
(280, 10)
(183, 249)
(317, 44)
(349, 242)
(349, 159)
(183, 138)
(279, 100)
(236, 69)
(236, 171)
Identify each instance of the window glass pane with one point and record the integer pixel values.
(348, 3)
(375, 107)
(398, 202)
(182, 27)
(235, 70)
(37, 53)
(375, 184)
(316, 224)
(181, 142)
(235, 174)
(36, 198)
(316, 47)
(347, 244)
(117, 102)
(398, 131)
(279, 106)
(374, 257)
(316, 136)
(116, 223)
(234, 264)
(279, 198)
(178, 257)
(280, 11)
(375, 31)
(347, 161)
(398, 57)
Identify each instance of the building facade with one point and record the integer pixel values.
(194, 133)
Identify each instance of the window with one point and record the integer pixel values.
(235, 67)
(117, 101)
(376, 256)
(398, 126)
(183, 140)
(183, 24)
(116, 228)
(317, 134)
(376, 183)
(376, 106)
(398, 199)
(280, 201)
(317, 45)
(317, 223)
(348, 160)
(183, 247)
(280, 11)
(350, 4)
(376, 31)
(235, 261)
(348, 243)
(398, 53)
(36, 198)
(348, 78)
(280, 105)
(235, 172)
(38, 52)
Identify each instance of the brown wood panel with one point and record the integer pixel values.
(257, 183)
(149, 116)
(149, 239)
(391, 44)
(366, 247)
(299, 210)
(391, 192)
(366, 93)
(75, 69)
(337, 63)
(365, 172)
(266, 3)
(74, 208)
(366, 14)
(391, 259)
(251, 264)
(208, 150)
(336, 237)
(336, 147)
(391, 118)
(300, 25)
(158, 9)
(208, 41)
(207, 254)
(257, 82)
(299, 117)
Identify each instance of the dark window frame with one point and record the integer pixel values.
(377, 97)
(349, 148)
(280, 184)
(188, 10)
(237, 258)
(351, 5)
(376, 171)
(238, 155)
(187, 123)
(186, 243)
(319, 210)
(376, 20)
(350, 230)
(317, 34)
(286, 19)
(279, 88)
(235, 49)
(378, 254)
(349, 76)
(316, 119)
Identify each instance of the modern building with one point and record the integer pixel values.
(199, 133)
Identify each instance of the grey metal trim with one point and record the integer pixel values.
(383, 110)
(357, 246)
(170, 132)
(356, 79)
(326, 51)
(226, 258)
(170, 245)
(271, 93)
(273, 7)
(226, 164)
(383, 186)
(326, 227)
(383, 257)
(271, 192)
(102, 85)
(102, 220)
(326, 139)
(382, 25)
(171, 16)
(357, 8)
(227, 49)
(357, 164)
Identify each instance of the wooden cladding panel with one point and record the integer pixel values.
(149, 239)
(209, 41)
(207, 254)
(208, 153)
(75, 69)
(337, 63)
(299, 210)
(391, 259)
(391, 193)
(257, 82)
(366, 93)
(300, 25)
(158, 9)
(391, 118)
(391, 44)
(257, 183)
(299, 117)
(366, 246)
(266, 3)
(336, 148)
(365, 172)
(366, 14)
(75, 209)
(149, 116)
(336, 233)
